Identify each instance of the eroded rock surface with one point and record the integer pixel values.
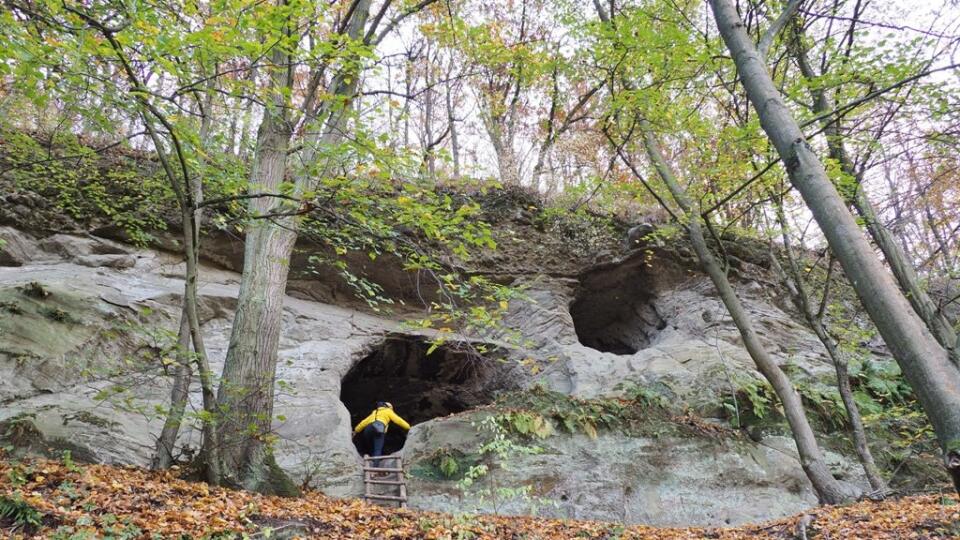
(668, 480)
(68, 378)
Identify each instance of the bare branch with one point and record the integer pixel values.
(775, 27)
(395, 21)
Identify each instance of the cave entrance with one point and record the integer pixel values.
(421, 386)
(614, 309)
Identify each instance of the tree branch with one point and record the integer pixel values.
(246, 196)
(846, 107)
(766, 41)
(395, 21)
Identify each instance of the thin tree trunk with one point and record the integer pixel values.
(452, 120)
(801, 299)
(907, 277)
(502, 144)
(179, 394)
(407, 90)
(230, 144)
(189, 331)
(828, 489)
(192, 217)
(924, 362)
(429, 158)
(540, 165)
(943, 242)
(191, 235)
(244, 143)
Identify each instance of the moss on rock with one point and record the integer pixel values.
(277, 482)
(40, 329)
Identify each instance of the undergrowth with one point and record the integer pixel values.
(539, 413)
(19, 513)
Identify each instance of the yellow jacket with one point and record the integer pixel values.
(384, 415)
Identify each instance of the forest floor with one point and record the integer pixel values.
(71, 501)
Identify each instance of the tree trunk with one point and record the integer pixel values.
(943, 245)
(191, 236)
(801, 300)
(245, 396)
(452, 120)
(907, 277)
(540, 165)
(190, 332)
(828, 489)
(429, 158)
(179, 394)
(507, 164)
(926, 364)
(245, 124)
(407, 90)
(246, 388)
(190, 196)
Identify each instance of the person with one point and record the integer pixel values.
(374, 428)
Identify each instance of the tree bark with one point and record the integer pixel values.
(245, 129)
(906, 276)
(924, 362)
(430, 159)
(828, 489)
(246, 389)
(507, 163)
(943, 245)
(190, 197)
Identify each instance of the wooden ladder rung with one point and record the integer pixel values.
(369, 481)
(387, 497)
(387, 482)
(382, 469)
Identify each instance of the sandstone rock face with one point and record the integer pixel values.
(119, 262)
(71, 246)
(91, 378)
(62, 378)
(16, 248)
(664, 325)
(663, 481)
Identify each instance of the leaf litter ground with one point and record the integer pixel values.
(101, 501)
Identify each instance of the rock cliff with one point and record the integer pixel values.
(84, 322)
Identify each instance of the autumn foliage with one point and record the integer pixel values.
(101, 501)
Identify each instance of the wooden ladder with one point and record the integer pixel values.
(392, 476)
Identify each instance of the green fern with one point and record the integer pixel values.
(449, 466)
(20, 512)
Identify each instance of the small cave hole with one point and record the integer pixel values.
(452, 378)
(615, 312)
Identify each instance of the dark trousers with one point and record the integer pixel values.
(374, 442)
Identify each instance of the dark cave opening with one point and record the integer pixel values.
(614, 310)
(453, 378)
